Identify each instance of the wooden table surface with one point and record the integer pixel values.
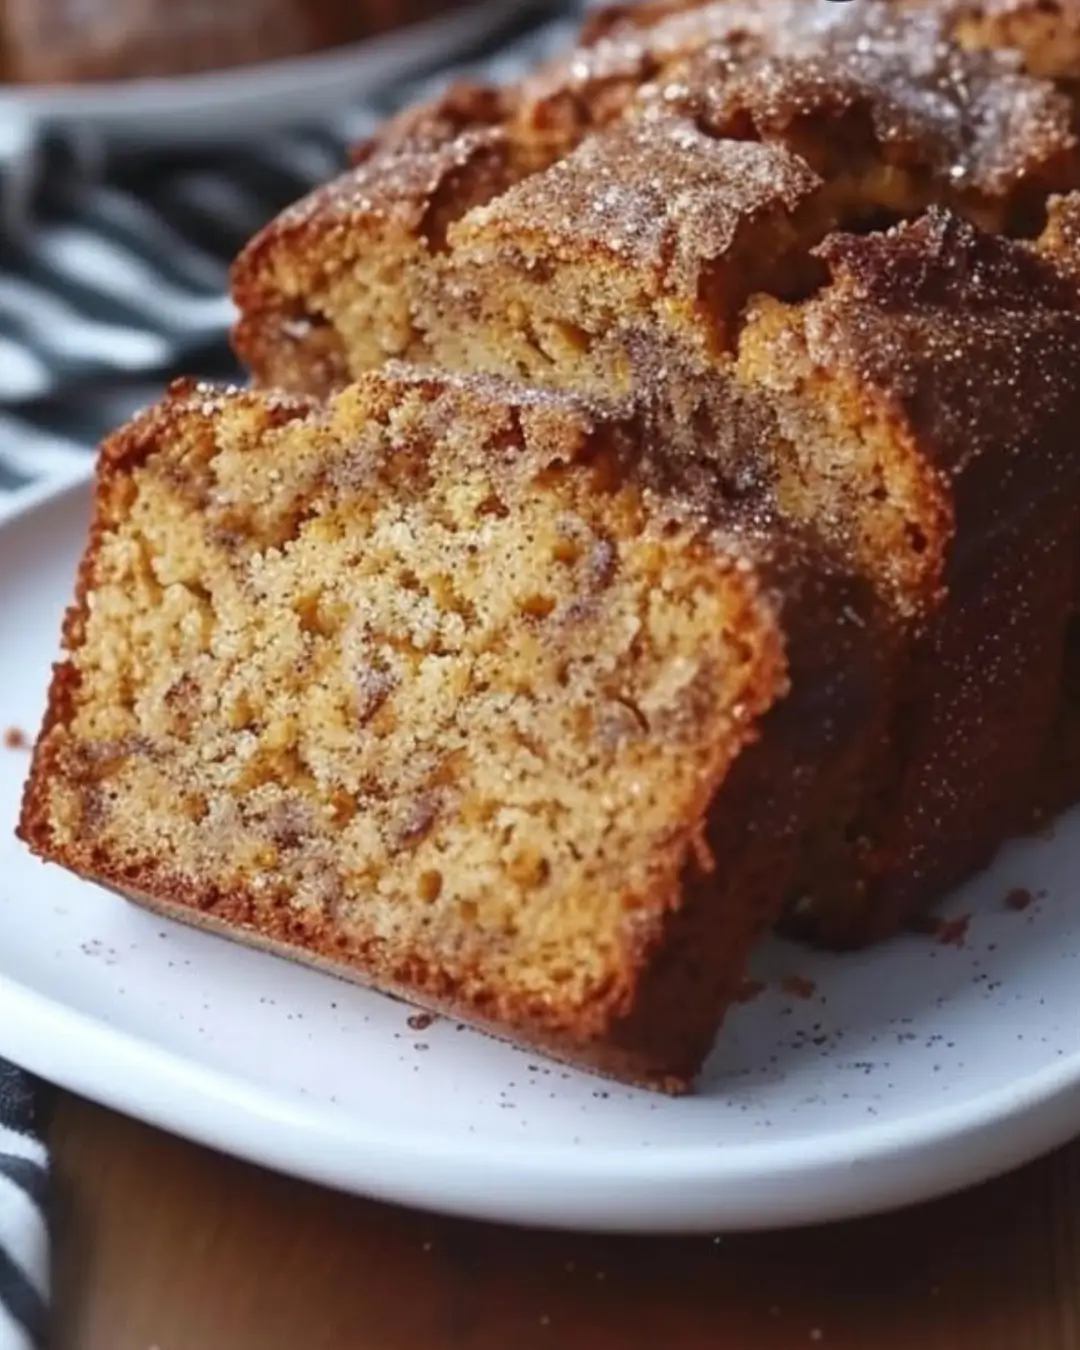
(164, 1246)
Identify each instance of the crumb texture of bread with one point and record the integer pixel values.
(425, 683)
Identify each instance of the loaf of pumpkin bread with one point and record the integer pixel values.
(712, 563)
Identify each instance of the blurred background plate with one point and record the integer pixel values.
(228, 104)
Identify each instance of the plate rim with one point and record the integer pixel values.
(392, 52)
(976, 1138)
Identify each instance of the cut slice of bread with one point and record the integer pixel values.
(428, 688)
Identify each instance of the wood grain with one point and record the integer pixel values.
(162, 1244)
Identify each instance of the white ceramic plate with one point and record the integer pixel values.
(909, 1071)
(228, 103)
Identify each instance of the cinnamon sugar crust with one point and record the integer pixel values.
(698, 224)
(895, 96)
(938, 326)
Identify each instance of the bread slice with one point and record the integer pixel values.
(638, 266)
(623, 269)
(430, 688)
(364, 235)
(890, 113)
(929, 398)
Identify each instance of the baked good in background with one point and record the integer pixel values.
(71, 41)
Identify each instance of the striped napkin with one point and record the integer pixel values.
(23, 1243)
(112, 280)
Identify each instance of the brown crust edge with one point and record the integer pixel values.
(607, 1060)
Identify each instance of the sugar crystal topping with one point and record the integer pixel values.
(655, 191)
(972, 117)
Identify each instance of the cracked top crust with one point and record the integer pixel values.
(972, 119)
(655, 191)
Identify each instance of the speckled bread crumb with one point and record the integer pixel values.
(429, 687)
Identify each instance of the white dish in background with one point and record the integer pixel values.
(911, 1070)
(225, 104)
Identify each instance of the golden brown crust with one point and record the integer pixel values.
(970, 342)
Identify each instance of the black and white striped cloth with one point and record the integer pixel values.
(112, 280)
(24, 1257)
